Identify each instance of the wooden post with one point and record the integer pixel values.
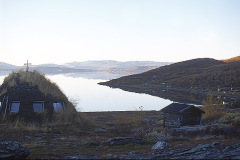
(5, 108)
(27, 64)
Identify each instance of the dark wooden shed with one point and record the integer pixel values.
(177, 115)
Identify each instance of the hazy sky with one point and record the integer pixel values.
(58, 31)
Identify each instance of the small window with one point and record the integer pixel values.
(38, 107)
(57, 106)
(15, 107)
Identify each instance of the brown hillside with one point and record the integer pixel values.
(202, 73)
(234, 59)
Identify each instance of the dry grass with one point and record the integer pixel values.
(62, 122)
(34, 78)
(70, 120)
(49, 144)
(231, 119)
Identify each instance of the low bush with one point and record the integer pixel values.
(213, 108)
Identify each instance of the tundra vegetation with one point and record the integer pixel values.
(199, 74)
(74, 133)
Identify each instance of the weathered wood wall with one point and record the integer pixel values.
(171, 120)
(181, 119)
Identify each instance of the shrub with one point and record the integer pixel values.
(213, 108)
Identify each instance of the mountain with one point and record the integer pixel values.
(5, 66)
(234, 59)
(202, 73)
(51, 65)
(109, 68)
(109, 64)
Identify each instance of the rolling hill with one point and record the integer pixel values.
(234, 59)
(202, 73)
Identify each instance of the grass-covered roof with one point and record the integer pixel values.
(34, 78)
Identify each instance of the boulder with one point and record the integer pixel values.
(12, 150)
(122, 140)
(160, 145)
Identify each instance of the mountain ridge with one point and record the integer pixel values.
(115, 67)
(234, 59)
(203, 73)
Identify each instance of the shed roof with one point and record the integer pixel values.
(180, 108)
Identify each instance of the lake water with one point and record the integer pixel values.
(90, 96)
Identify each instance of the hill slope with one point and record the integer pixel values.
(202, 73)
(234, 59)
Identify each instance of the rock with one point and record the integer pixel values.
(67, 139)
(162, 138)
(160, 145)
(133, 152)
(94, 143)
(81, 156)
(12, 150)
(200, 147)
(201, 151)
(190, 128)
(122, 140)
(100, 130)
(109, 155)
(213, 137)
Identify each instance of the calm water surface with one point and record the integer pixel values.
(90, 96)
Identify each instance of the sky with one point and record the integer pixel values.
(60, 31)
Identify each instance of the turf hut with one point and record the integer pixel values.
(177, 115)
(30, 95)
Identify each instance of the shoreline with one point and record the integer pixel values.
(158, 91)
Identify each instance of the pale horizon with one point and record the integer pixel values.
(63, 31)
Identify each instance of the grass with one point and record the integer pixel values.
(55, 140)
(34, 78)
(231, 119)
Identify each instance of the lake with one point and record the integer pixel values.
(90, 96)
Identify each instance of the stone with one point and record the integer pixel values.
(100, 130)
(12, 150)
(200, 147)
(160, 145)
(132, 152)
(67, 139)
(81, 156)
(122, 140)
